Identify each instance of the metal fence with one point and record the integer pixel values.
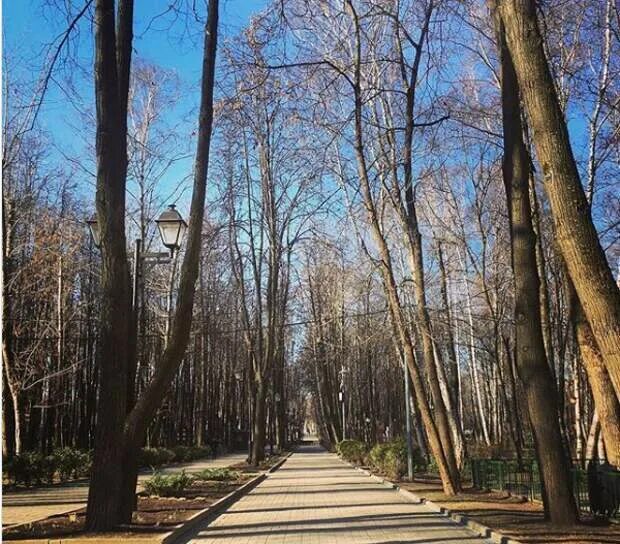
(596, 489)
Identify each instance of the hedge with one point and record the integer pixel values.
(33, 467)
(353, 451)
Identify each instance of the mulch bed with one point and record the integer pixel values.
(266, 464)
(154, 514)
(515, 517)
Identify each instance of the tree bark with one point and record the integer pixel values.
(605, 400)
(437, 428)
(141, 415)
(103, 509)
(534, 371)
(575, 231)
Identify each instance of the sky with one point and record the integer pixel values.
(31, 25)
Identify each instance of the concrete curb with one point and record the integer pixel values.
(209, 514)
(457, 517)
(202, 516)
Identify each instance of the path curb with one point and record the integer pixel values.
(206, 515)
(214, 510)
(459, 518)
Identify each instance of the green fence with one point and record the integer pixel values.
(597, 489)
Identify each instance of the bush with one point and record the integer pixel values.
(168, 485)
(353, 451)
(71, 463)
(201, 452)
(155, 457)
(376, 457)
(33, 467)
(49, 466)
(395, 459)
(184, 454)
(217, 474)
(390, 458)
(25, 468)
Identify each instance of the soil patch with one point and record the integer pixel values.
(266, 464)
(515, 517)
(154, 514)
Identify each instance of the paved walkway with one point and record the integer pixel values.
(314, 498)
(31, 504)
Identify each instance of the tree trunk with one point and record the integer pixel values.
(455, 382)
(473, 362)
(593, 434)
(439, 436)
(576, 234)
(605, 400)
(259, 423)
(112, 60)
(534, 371)
(142, 414)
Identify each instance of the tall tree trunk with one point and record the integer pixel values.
(141, 415)
(593, 435)
(450, 345)
(605, 400)
(576, 234)
(111, 86)
(473, 361)
(259, 423)
(438, 430)
(534, 371)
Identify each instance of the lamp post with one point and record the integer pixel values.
(342, 373)
(408, 423)
(171, 226)
(239, 377)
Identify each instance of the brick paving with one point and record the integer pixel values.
(314, 498)
(28, 505)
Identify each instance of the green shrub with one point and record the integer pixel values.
(85, 463)
(395, 459)
(182, 454)
(25, 468)
(33, 467)
(155, 457)
(376, 457)
(171, 485)
(353, 451)
(390, 458)
(71, 463)
(201, 452)
(49, 466)
(218, 474)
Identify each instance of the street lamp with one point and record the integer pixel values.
(93, 226)
(341, 398)
(408, 421)
(170, 224)
(172, 228)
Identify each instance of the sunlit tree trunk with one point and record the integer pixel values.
(575, 231)
(534, 371)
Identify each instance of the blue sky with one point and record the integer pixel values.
(30, 26)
